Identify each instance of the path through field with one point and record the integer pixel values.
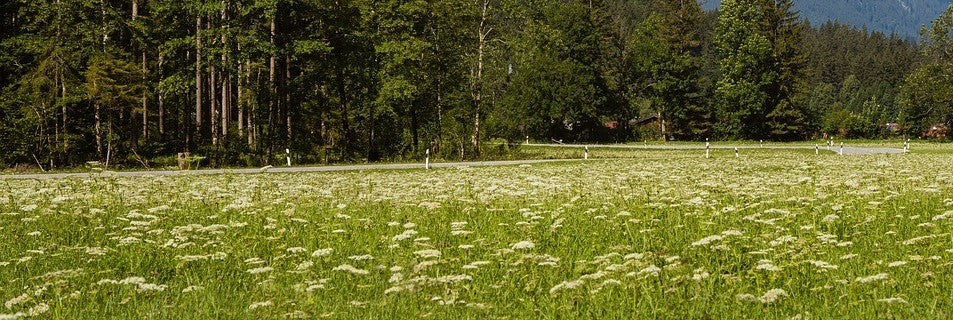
(408, 166)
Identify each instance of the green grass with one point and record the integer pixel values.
(658, 234)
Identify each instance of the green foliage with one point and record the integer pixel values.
(365, 80)
(926, 96)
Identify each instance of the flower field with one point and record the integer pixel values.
(666, 234)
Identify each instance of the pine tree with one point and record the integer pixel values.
(746, 66)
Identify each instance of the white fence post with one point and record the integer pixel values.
(817, 149)
(842, 148)
(586, 156)
(736, 153)
(288, 156)
(707, 149)
(427, 160)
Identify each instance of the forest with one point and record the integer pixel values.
(135, 83)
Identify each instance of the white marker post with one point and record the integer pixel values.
(817, 150)
(736, 153)
(761, 143)
(707, 149)
(842, 148)
(527, 139)
(427, 160)
(288, 156)
(586, 155)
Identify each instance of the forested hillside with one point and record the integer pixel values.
(904, 17)
(133, 83)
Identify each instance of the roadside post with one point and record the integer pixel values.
(427, 160)
(707, 149)
(736, 153)
(288, 156)
(817, 150)
(586, 155)
(842, 148)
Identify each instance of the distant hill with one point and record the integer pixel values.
(905, 17)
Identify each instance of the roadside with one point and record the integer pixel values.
(411, 166)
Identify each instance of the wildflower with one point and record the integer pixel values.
(897, 264)
(782, 240)
(260, 270)
(407, 234)
(707, 240)
(361, 257)
(767, 265)
(565, 285)
(523, 245)
(651, 270)
(142, 287)
(17, 300)
(773, 295)
(823, 265)
(294, 250)
(322, 252)
(428, 253)
(257, 305)
(873, 278)
(892, 300)
(351, 269)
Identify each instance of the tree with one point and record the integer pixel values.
(674, 67)
(746, 67)
(785, 99)
(926, 96)
(115, 87)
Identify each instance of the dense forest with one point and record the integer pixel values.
(136, 82)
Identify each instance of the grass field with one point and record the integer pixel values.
(661, 234)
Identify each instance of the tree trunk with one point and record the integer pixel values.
(198, 77)
(225, 82)
(477, 87)
(99, 131)
(145, 105)
(65, 114)
(288, 97)
(241, 101)
(271, 94)
(159, 96)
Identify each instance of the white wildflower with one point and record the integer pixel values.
(897, 264)
(361, 257)
(773, 295)
(892, 300)
(17, 300)
(873, 278)
(707, 240)
(257, 305)
(523, 245)
(565, 285)
(260, 270)
(322, 252)
(428, 253)
(351, 269)
(294, 250)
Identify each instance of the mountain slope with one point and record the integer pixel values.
(905, 17)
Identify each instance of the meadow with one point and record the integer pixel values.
(656, 234)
